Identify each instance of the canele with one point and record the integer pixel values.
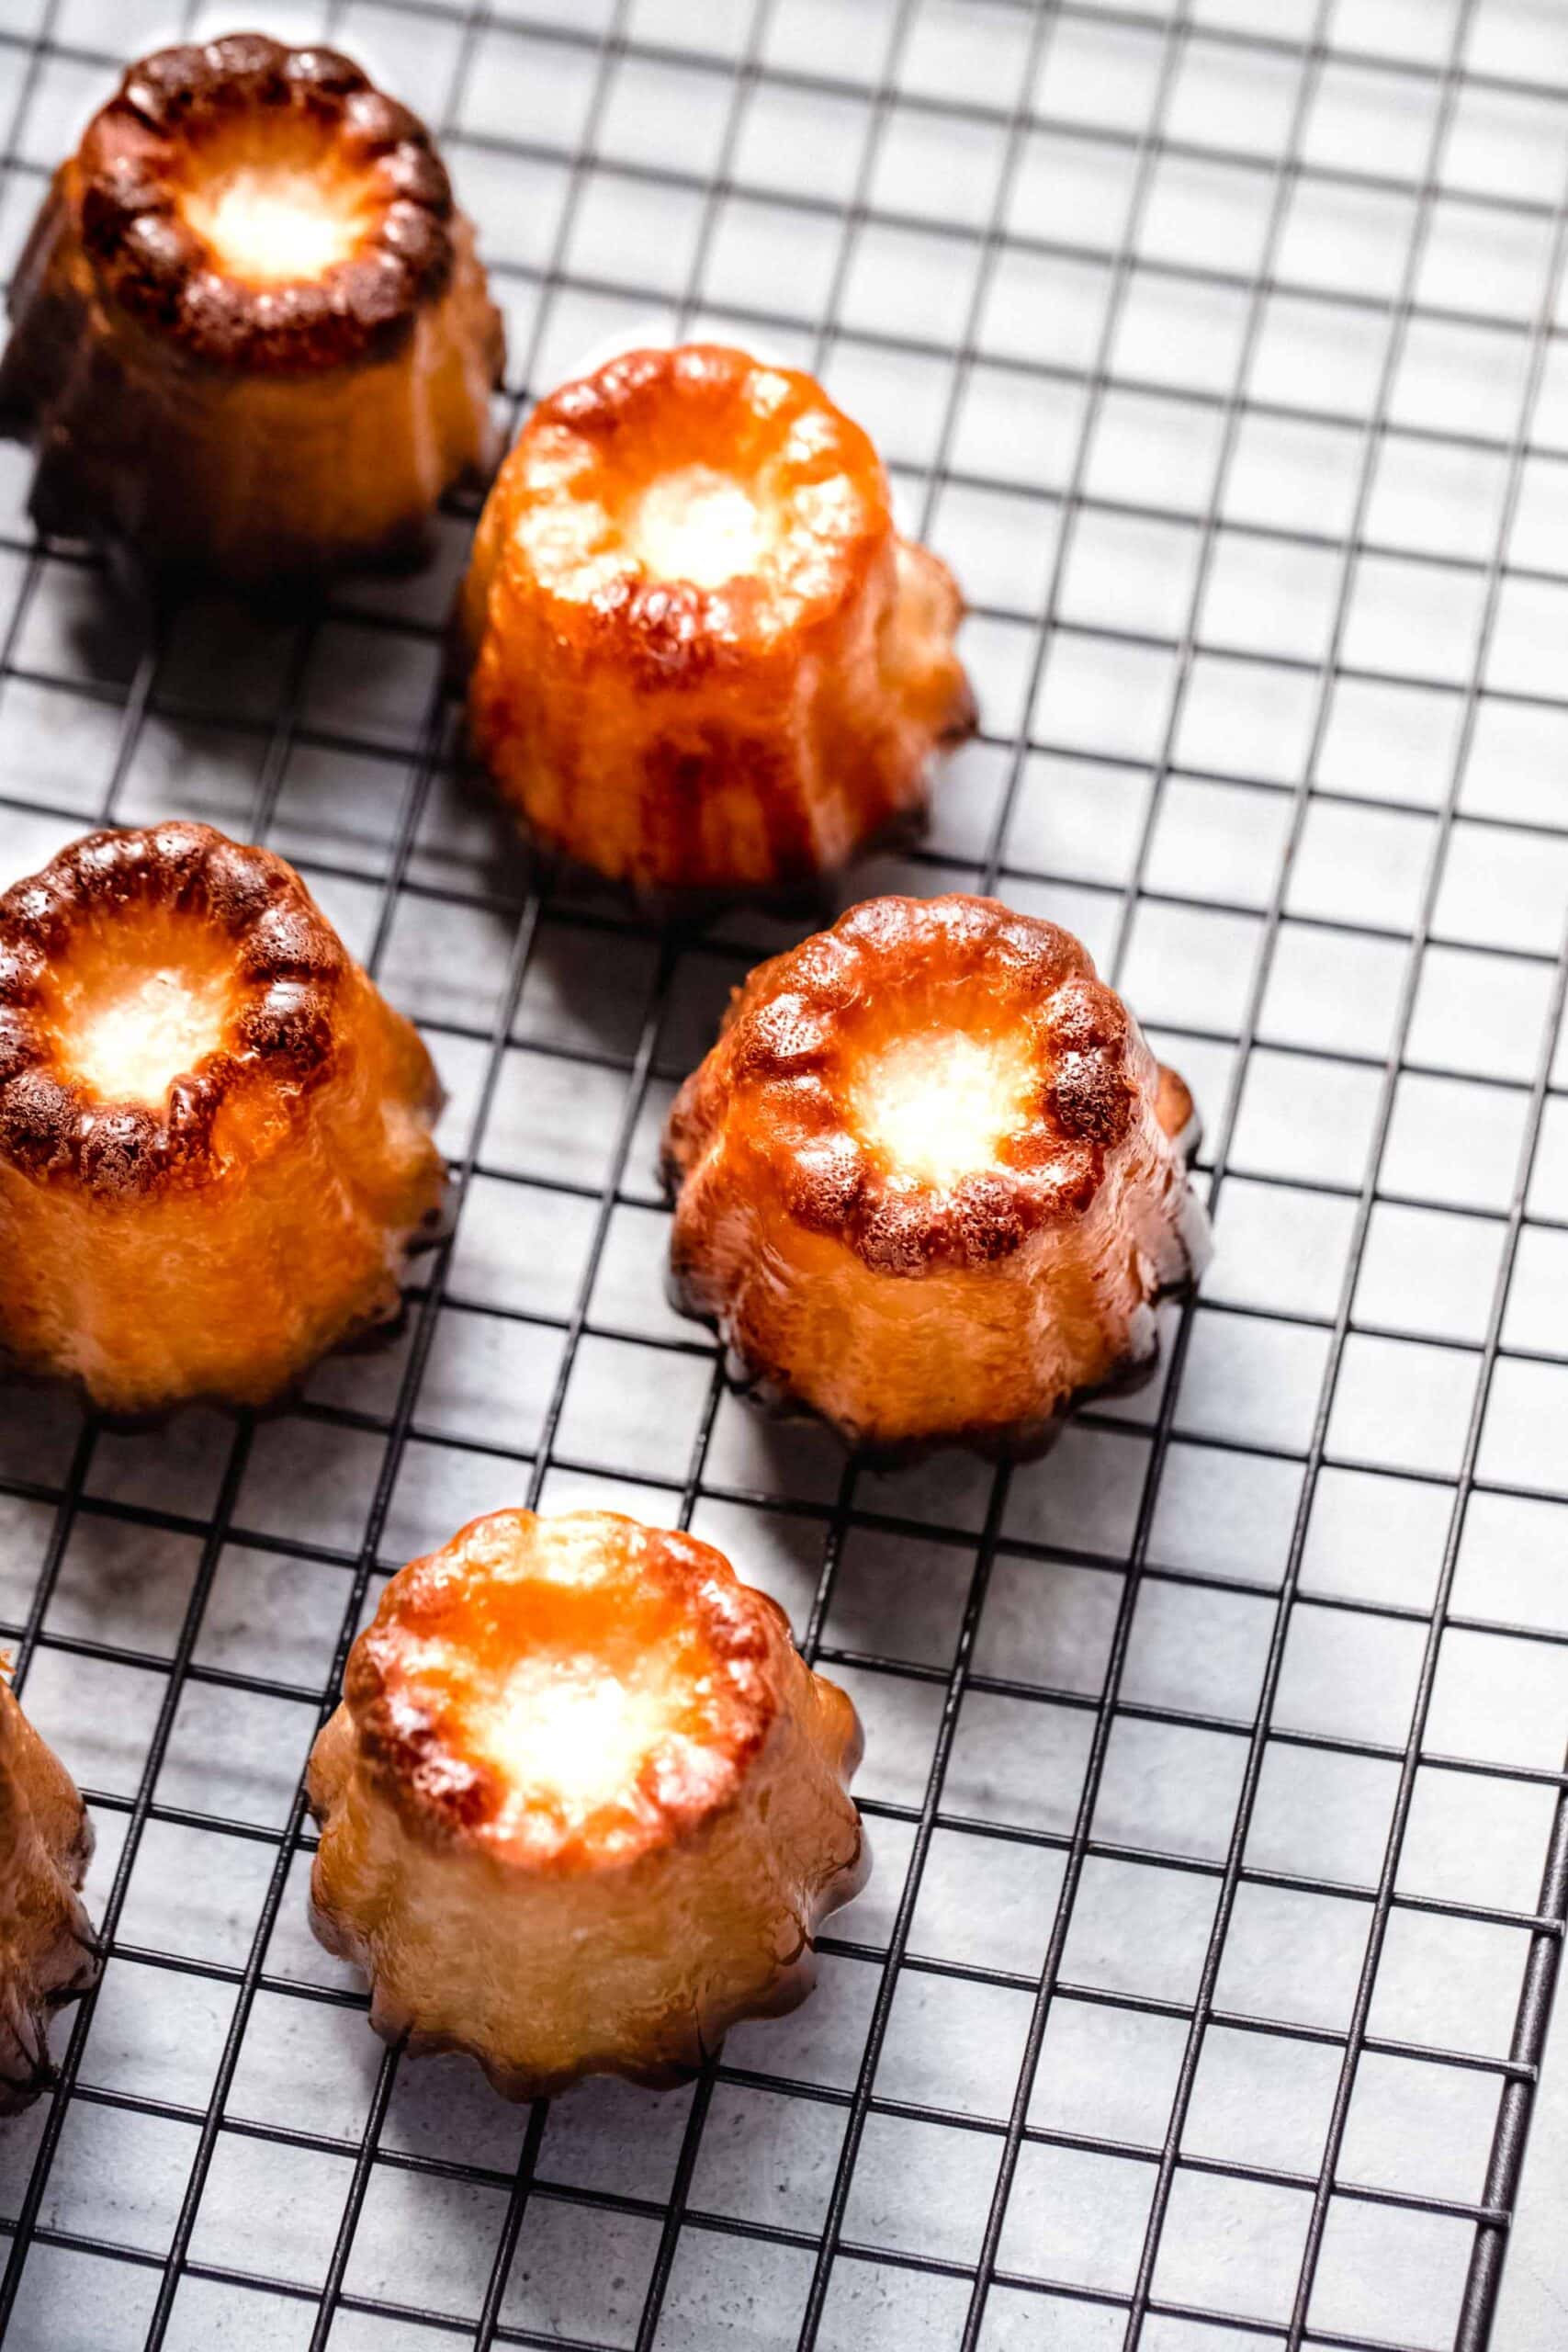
(705, 664)
(250, 331)
(930, 1181)
(47, 1951)
(583, 1805)
(215, 1135)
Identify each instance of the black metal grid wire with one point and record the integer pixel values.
(405, 879)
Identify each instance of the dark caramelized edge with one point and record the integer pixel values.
(289, 967)
(159, 270)
(670, 632)
(783, 1066)
(416, 1749)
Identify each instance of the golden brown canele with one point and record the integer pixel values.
(930, 1180)
(215, 1135)
(250, 332)
(583, 1805)
(46, 1944)
(703, 660)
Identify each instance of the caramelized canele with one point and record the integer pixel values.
(214, 1134)
(930, 1179)
(583, 1803)
(704, 660)
(46, 1945)
(250, 332)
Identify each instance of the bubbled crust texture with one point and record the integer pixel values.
(263, 432)
(216, 1243)
(46, 1944)
(907, 1312)
(290, 968)
(550, 1957)
(156, 267)
(689, 741)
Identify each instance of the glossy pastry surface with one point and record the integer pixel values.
(46, 1942)
(583, 1805)
(930, 1180)
(703, 660)
(250, 332)
(215, 1135)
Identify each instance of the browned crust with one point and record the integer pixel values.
(413, 1743)
(689, 741)
(289, 968)
(623, 393)
(48, 1953)
(784, 1062)
(379, 1331)
(705, 2028)
(122, 188)
(767, 1385)
(672, 633)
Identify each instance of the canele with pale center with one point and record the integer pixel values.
(930, 1183)
(215, 1135)
(704, 660)
(251, 333)
(583, 1805)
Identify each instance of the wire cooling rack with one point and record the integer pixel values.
(1216, 1764)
